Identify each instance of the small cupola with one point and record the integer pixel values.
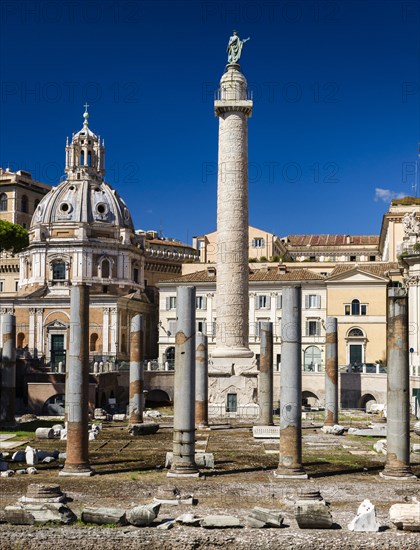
(85, 155)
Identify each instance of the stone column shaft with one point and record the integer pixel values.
(8, 371)
(136, 371)
(202, 380)
(183, 463)
(233, 110)
(397, 464)
(331, 373)
(290, 457)
(77, 385)
(265, 378)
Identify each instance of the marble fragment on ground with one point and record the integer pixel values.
(405, 516)
(140, 516)
(220, 522)
(146, 428)
(41, 504)
(104, 516)
(312, 512)
(263, 517)
(336, 429)
(365, 519)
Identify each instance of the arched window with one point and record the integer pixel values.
(170, 357)
(356, 333)
(312, 361)
(105, 269)
(59, 271)
(355, 307)
(82, 158)
(123, 343)
(93, 341)
(20, 339)
(24, 204)
(89, 158)
(3, 202)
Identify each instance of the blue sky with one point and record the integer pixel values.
(336, 104)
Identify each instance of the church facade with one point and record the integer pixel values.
(82, 231)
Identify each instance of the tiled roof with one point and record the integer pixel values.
(374, 268)
(332, 240)
(271, 274)
(163, 242)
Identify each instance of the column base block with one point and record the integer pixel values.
(182, 474)
(292, 474)
(409, 476)
(76, 472)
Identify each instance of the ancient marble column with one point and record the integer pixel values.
(265, 378)
(136, 371)
(233, 109)
(290, 457)
(202, 380)
(8, 372)
(183, 462)
(331, 373)
(77, 386)
(397, 464)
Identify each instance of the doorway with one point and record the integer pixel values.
(58, 353)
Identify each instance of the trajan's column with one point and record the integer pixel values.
(232, 357)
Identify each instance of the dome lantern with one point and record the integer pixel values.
(85, 156)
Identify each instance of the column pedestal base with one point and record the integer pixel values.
(76, 472)
(283, 473)
(408, 476)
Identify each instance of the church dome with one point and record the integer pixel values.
(82, 201)
(84, 197)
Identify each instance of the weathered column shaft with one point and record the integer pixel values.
(265, 378)
(331, 373)
(183, 463)
(136, 371)
(202, 381)
(8, 371)
(77, 386)
(398, 385)
(290, 457)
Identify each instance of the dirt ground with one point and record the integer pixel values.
(343, 468)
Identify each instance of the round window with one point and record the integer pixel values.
(101, 208)
(65, 207)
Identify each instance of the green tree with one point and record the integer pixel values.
(13, 237)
